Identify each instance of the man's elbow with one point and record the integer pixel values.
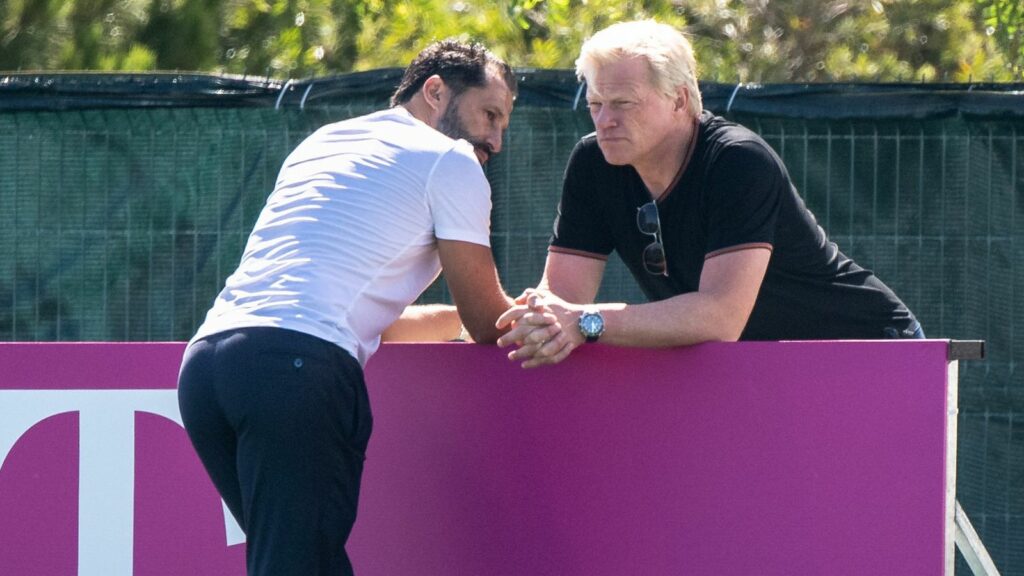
(716, 336)
(731, 331)
(484, 334)
(730, 337)
(727, 329)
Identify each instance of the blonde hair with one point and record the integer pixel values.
(666, 50)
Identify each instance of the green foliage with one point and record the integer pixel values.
(183, 34)
(278, 38)
(813, 41)
(1004, 20)
(23, 31)
(735, 40)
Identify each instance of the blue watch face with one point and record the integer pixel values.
(592, 324)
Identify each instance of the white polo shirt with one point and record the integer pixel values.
(348, 238)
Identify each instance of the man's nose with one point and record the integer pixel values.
(494, 140)
(604, 118)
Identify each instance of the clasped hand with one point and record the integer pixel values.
(538, 324)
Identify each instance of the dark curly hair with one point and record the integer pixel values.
(460, 65)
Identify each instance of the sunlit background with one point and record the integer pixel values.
(737, 40)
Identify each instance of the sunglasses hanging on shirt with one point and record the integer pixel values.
(649, 223)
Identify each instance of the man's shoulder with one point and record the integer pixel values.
(723, 139)
(397, 129)
(724, 131)
(380, 121)
(588, 152)
(379, 116)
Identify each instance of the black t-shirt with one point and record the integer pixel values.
(734, 193)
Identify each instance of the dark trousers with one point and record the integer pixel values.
(281, 421)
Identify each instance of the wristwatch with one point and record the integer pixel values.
(591, 324)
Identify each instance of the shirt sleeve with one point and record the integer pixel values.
(579, 227)
(744, 195)
(460, 197)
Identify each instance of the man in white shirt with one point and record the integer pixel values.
(365, 215)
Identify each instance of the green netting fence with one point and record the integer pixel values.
(126, 201)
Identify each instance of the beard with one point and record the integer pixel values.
(452, 126)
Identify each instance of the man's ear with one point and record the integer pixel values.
(434, 91)
(682, 99)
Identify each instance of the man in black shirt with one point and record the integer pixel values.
(701, 211)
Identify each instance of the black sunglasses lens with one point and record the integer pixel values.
(647, 218)
(654, 258)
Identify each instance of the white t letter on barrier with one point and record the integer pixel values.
(106, 490)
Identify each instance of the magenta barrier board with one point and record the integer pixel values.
(727, 459)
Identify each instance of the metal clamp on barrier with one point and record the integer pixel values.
(966, 350)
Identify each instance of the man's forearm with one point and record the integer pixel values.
(717, 311)
(425, 323)
(679, 321)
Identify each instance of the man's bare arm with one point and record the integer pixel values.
(425, 323)
(475, 287)
(718, 311)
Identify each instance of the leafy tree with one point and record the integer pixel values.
(1004, 19)
(274, 37)
(25, 30)
(735, 40)
(744, 40)
(183, 34)
(533, 33)
(809, 40)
